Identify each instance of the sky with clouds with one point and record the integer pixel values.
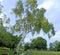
(52, 14)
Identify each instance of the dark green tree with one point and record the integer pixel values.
(54, 46)
(39, 44)
(2, 27)
(26, 46)
(31, 19)
(58, 46)
(10, 41)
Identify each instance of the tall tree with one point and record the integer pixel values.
(31, 19)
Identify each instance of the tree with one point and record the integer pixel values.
(58, 46)
(39, 44)
(55, 46)
(9, 40)
(2, 28)
(26, 46)
(31, 19)
(52, 47)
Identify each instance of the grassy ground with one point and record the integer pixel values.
(32, 53)
(45, 53)
(9, 52)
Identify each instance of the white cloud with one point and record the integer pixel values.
(1, 15)
(52, 10)
(47, 4)
(1, 0)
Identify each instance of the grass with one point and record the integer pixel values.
(6, 51)
(45, 53)
(9, 52)
(33, 52)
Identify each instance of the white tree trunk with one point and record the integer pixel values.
(18, 46)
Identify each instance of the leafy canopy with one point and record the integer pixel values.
(31, 19)
(39, 44)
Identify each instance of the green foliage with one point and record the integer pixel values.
(58, 46)
(31, 3)
(19, 8)
(31, 19)
(55, 46)
(39, 43)
(8, 40)
(27, 46)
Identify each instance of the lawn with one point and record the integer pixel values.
(45, 53)
(9, 52)
(32, 53)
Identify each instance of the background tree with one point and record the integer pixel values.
(31, 19)
(26, 46)
(10, 41)
(55, 46)
(52, 47)
(2, 28)
(58, 46)
(7, 39)
(39, 44)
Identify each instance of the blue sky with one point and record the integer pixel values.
(52, 14)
